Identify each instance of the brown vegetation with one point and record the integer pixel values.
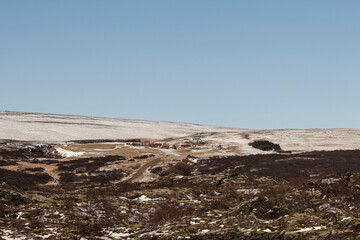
(21, 179)
(290, 167)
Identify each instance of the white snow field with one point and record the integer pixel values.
(295, 140)
(60, 128)
(55, 127)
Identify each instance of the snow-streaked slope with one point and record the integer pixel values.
(301, 140)
(54, 127)
(295, 140)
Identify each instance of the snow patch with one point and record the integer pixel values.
(9, 235)
(44, 236)
(67, 153)
(144, 198)
(119, 235)
(168, 151)
(248, 191)
(317, 228)
(329, 180)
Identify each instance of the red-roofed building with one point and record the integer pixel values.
(158, 145)
(185, 146)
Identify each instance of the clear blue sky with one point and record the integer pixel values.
(247, 64)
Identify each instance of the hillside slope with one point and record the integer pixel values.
(55, 127)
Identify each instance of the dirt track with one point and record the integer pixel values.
(142, 169)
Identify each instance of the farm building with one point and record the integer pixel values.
(196, 139)
(185, 146)
(201, 143)
(158, 144)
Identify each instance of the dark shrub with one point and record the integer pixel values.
(20, 179)
(2, 210)
(145, 156)
(265, 145)
(219, 203)
(88, 164)
(37, 169)
(166, 212)
(180, 168)
(67, 178)
(7, 162)
(157, 170)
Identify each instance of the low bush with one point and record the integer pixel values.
(145, 156)
(221, 203)
(96, 177)
(21, 179)
(37, 169)
(265, 145)
(7, 163)
(2, 210)
(157, 170)
(68, 178)
(180, 168)
(88, 164)
(166, 211)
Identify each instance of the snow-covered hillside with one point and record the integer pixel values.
(294, 140)
(54, 127)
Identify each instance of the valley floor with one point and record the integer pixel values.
(135, 189)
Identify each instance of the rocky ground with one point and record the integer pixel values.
(45, 194)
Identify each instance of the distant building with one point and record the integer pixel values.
(200, 143)
(158, 145)
(185, 146)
